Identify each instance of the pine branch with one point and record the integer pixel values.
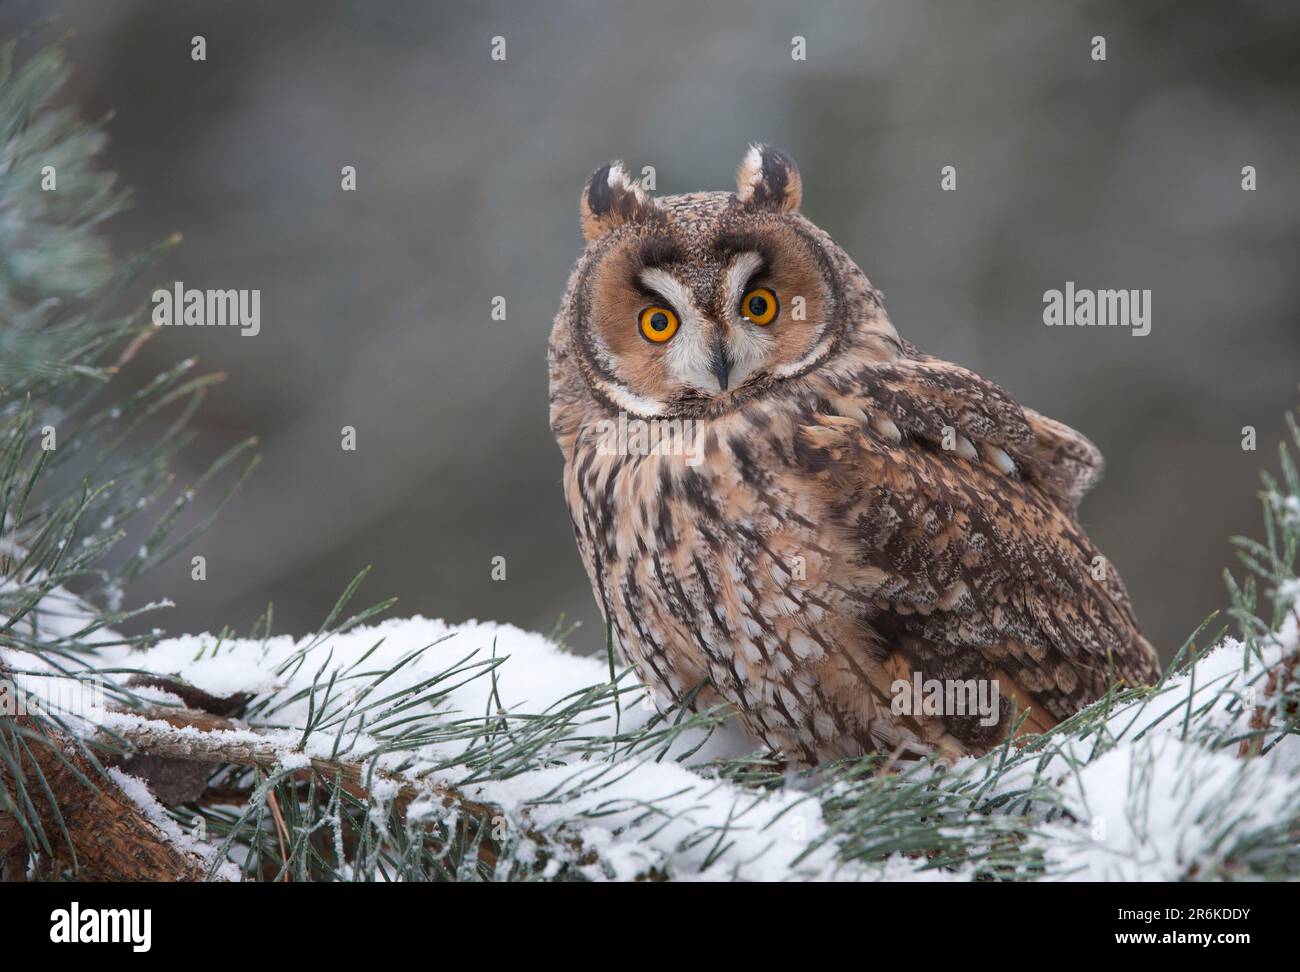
(202, 737)
(77, 466)
(83, 821)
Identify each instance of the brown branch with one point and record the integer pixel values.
(97, 831)
(112, 840)
(166, 732)
(13, 850)
(192, 696)
(162, 732)
(281, 832)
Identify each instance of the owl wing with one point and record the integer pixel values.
(967, 565)
(923, 394)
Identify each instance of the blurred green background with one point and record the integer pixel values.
(376, 304)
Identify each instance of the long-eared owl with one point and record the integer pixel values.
(785, 507)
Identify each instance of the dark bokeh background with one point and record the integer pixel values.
(375, 304)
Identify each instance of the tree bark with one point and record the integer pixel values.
(97, 832)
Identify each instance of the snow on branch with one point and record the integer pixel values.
(500, 749)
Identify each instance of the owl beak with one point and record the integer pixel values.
(721, 365)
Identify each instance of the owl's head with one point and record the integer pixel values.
(692, 304)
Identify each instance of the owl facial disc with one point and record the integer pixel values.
(696, 303)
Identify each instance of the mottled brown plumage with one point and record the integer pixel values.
(854, 512)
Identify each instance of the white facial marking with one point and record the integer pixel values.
(630, 402)
(689, 354)
(738, 274)
(749, 344)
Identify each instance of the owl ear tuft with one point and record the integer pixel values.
(611, 198)
(768, 179)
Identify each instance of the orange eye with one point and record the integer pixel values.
(759, 306)
(658, 324)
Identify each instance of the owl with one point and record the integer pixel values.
(788, 510)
